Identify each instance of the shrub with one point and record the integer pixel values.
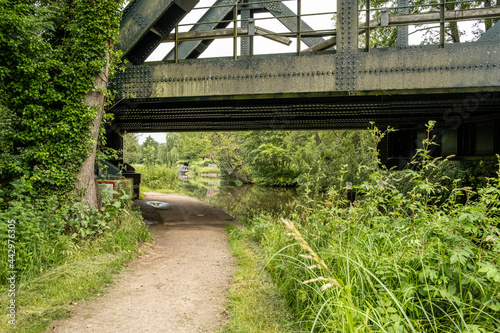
(47, 232)
(157, 177)
(425, 259)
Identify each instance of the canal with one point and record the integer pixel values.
(242, 202)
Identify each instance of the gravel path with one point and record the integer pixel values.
(180, 285)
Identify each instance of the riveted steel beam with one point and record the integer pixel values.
(347, 46)
(246, 21)
(404, 111)
(192, 49)
(146, 22)
(469, 66)
(224, 33)
(403, 29)
(397, 87)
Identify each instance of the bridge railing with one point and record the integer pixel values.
(414, 24)
(428, 20)
(252, 27)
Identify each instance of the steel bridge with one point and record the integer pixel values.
(332, 78)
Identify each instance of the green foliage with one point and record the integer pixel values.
(46, 232)
(50, 55)
(392, 261)
(132, 152)
(82, 270)
(50, 52)
(255, 304)
(170, 152)
(149, 151)
(284, 158)
(227, 152)
(155, 177)
(271, 157)
(201, 166)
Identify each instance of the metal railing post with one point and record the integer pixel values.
(235, 32)
(299, 26)
(442, 19)
(367, 26)
(176, 50)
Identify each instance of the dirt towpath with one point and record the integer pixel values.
(180, 285)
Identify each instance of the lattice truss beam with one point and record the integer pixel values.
(344, 87)
(146, 23)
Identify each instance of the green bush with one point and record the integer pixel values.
(156, 177)
(44, 233)
(422, 260)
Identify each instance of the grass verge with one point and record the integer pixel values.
(84, 275)
(255, 304)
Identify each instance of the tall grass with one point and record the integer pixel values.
(412, 258)
(255, 304)
(82, 271)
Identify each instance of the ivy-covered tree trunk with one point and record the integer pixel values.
(54, 63)
(86, 182)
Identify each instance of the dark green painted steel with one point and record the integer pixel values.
(493, 34)
(282, 13)
(305, 112)
(473, 67)
(471, 140)
(347, 88)
(146, 22)
(192, 49)
(219, 12)
(403, 30)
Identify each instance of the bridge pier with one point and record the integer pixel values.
(473, 140)
(117, 168)
(113, 139)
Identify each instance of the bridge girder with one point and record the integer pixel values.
(314, 83)
(192, 49)
(145, 23)
(458, 85)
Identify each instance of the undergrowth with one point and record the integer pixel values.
(158, 177)
(409, 255)
(62, 255)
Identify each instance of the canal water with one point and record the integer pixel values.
(241, 202)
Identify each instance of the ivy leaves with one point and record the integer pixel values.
(50, 52)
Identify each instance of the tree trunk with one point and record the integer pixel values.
(86, 182)
(455, 33)
(487, 23)
(317, 138)
(240, 177)
(453, 26)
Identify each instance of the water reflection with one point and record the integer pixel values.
(241, 202)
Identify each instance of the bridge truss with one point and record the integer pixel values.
(339, 81)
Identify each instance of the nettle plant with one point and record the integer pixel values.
(414, 258)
